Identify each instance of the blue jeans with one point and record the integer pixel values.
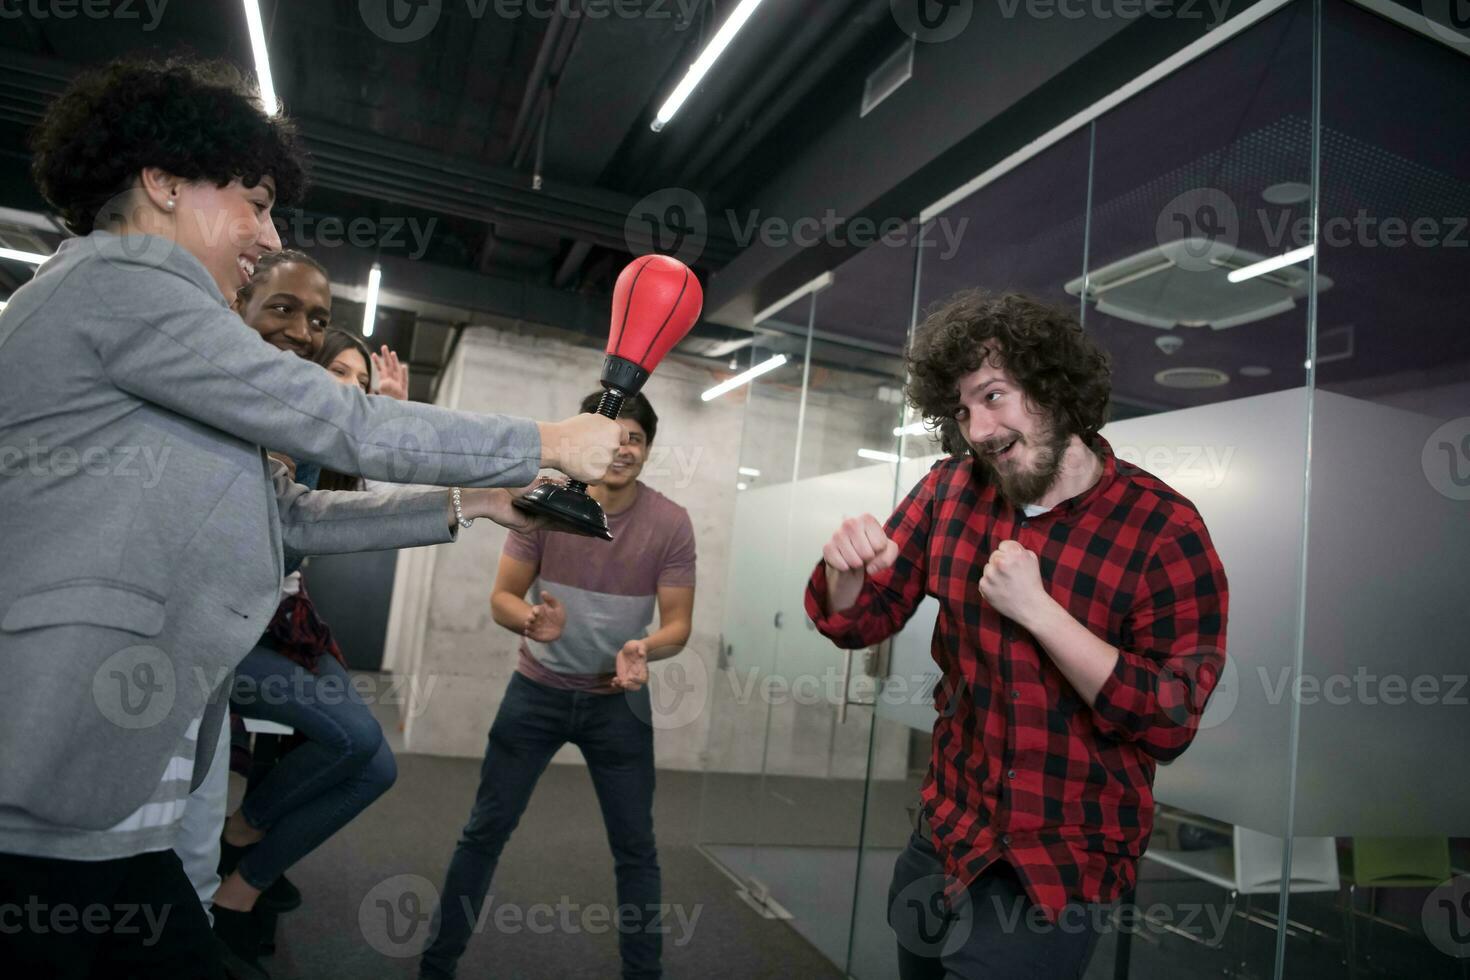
(316, 788)
(535, 721)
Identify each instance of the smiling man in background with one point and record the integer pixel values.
(583, 666)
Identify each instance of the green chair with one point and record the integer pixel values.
(1388, 862)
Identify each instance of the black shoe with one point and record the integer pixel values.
(281, 896)
(265, 928)
(239, 944)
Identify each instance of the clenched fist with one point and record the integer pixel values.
(1011, 582)
(860, 546)
(857, 550)
(582, 447)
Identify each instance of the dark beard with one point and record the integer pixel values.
(1020, 487)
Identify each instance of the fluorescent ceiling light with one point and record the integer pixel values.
(705, 62)
(370, 312)
(912, 429)
(745, 377)
(880, 457)
(742, 486)
(1271, 265)
(16, 255)
(749, 471)
(262, 58)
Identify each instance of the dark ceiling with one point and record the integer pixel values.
(442, 134)
(509, 141)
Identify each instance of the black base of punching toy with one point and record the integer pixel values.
(568, 507)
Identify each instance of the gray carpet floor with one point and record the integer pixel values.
(553, 873)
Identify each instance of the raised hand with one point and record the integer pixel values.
(860, 545)
(392, 374)
(859, 548)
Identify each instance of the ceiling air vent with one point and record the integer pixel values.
(1183, 283)
(896, 69)
(1192, 378)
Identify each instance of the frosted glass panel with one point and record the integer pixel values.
(1384, 692)
(733, 798)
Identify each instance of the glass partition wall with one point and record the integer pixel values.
(732, 810)
(1314, 412)
(1195, 181)
(1381, 767)
(788, 759)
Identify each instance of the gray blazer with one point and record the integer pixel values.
(142, 526)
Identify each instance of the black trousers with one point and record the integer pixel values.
(996, 933)
(134, 917)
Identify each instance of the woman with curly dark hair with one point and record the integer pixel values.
(1081, 629)
(144, 528)
(180, 150)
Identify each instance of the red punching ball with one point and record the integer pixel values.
(656, 302)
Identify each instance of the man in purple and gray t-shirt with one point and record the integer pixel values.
(583, 666)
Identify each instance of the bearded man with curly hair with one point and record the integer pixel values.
(1081, 629)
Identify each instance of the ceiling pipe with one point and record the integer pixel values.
(543, 106)
(535, 82)
(571, 265)
(527, 136)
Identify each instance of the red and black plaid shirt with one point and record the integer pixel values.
(1021, 768)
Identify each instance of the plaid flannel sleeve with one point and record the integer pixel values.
(1174, 649)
